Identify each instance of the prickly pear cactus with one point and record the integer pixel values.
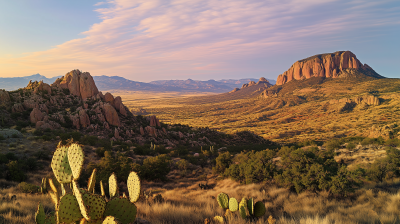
(40, 216)
(92, 206)
(218, 219)
(68, 209)
(125, 215)
(133, 186)
(102, 189)
(233, 205)
(52, 186)
(259, 209)
(113, 185)
(250, 206)
(223, 200)
(110, 220)
(60, 165)
(75, 158)
(55, 198)
(92, 181)
(242, 208)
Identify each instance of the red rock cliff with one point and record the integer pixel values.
(323, 65)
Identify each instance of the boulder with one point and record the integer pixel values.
(141, 130)
(36, 115)
(84, 119)
(87, 86)
(111, 114)
(116, 134)
(17, 108)
(154, 122)
(119, 106)
(109, 98)
(42, 87)
(371, 100)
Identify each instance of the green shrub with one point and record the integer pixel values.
(386, 168)
(155, 168)
(350, 146)
(100, 151)
(223, 161)
(332, 144)
(182, 164)
(27, 188)
(252, 167)
(15, 172)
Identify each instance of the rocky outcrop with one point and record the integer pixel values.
(4, 97)
(111, 114)
(84, 119)
(17, 108)
(109, 98)
(79, 84)
(368, 100)
(42, 87)
(385, 131)
(154, 122)
(36, 115)
(323, 65)
(119, 106)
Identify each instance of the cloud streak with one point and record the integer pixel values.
(161, 39)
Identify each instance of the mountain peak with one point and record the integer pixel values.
(331, 65)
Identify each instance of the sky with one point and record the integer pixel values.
(146, 40)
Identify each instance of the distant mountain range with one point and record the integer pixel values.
(104, 83)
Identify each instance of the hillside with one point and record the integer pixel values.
(317, 108)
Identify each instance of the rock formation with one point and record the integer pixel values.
(111, 114)
(154, 122)
(36, 115)
(261, 82)
(42, 87)
(79, 84)
(325, 65)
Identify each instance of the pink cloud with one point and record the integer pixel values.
(145, 39)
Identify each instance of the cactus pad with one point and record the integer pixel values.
(242, 208)
(92, 181)
(259, 209)
(68, 209)
(218, 219)
(75, 158)
(233, 204)
(133, 186)
(250, 206)
(60, 165)
(223, 200)
(113, 185)
(92, 206)
(122, 209)
(51, 219)
(102, 189)
(40, 216)
(110, 220)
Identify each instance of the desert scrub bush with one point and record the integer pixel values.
(375, 141)
(252, 167)
(27, 188)
(182, 164)
(155, 168)
(222, 162)
(313, 170)
(332, 144)
(350, 146)
(386, 168)
(15, 172)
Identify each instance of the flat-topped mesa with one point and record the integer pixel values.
(330, 65)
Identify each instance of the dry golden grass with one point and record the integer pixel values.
(286, 118)
(190, 205)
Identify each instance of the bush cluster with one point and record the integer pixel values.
(14, 169)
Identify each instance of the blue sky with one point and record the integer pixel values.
(145, 40)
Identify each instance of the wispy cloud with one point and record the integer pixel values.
(157, 39)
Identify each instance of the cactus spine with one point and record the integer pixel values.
(82, 205)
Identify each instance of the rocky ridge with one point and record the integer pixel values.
(333, 65)
(74, 102)
(262, 82)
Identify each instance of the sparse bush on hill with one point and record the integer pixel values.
(222, 162)
(386, 168)
(27, 188)
(252, 167)
(332, 144)
(15, 172)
